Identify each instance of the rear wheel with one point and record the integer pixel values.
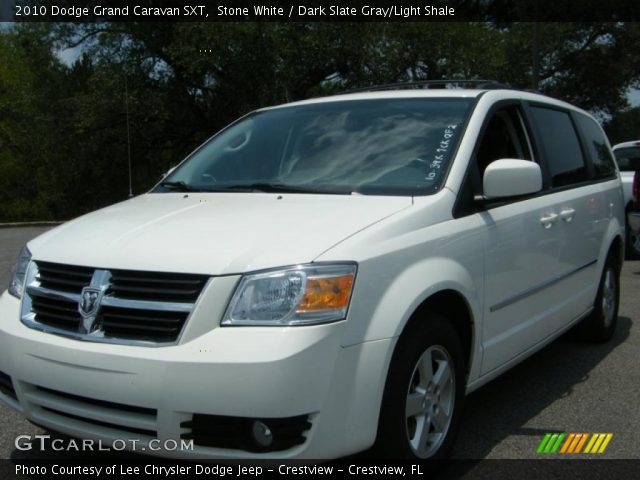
(600, 325)
(424, 392)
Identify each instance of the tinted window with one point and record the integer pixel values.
(386, 146)
(566, 163)
(504, 137)
(601, 157)
(628, 158)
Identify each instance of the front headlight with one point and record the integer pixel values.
(302, 295)
(16, 287)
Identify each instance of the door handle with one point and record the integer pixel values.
(567, 214)
(548, 220)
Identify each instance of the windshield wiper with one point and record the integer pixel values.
(283, 188)
(179, 186)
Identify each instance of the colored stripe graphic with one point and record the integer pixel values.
(596, 446)
(594, 437)
(598, 442)
(551, 442)
(543, 443)
(605, 443)
(573, 443)
(555, 447)
(567, 443)
(581, 443)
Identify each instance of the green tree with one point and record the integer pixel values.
(29, 77)
(63, 129)
(624, 127)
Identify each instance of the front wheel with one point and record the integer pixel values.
(424, 392)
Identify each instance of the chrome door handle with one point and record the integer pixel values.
(548, 220)
(567, 214)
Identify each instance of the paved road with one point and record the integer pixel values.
(568, 386)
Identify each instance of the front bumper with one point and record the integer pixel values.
(113, 392)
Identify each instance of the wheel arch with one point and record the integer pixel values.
(439, 284)
(616, 249)
(613, 241)
(440, 312)
(453, 306)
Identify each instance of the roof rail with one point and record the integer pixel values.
(480, 84)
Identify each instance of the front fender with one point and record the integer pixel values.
(391, 300)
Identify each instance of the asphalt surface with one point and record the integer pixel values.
(567, 387)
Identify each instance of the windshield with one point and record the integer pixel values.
(383, 146)
(628, 158)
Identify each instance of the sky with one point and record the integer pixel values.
(69, 55)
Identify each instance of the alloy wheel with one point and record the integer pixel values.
(430, 401)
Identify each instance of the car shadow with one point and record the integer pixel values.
(503, 407)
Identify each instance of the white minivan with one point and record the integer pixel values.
(322, 277)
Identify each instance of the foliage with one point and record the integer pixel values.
(63, 128)
(624, 127)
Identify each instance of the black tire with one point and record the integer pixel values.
(600, 325)
(632, 243)
(430, 341)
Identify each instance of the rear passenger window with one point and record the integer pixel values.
(564, 155)
(601, 157)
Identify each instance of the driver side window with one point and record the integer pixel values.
(504, 137)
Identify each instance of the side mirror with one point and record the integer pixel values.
(511, 178)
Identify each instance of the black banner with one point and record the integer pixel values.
(314, 10)
(310, 469)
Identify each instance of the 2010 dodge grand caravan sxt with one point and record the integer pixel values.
(322, 277)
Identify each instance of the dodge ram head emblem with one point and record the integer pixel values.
(88, 307)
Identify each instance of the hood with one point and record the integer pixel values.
(212, 233)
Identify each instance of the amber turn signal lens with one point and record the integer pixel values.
(326, 293)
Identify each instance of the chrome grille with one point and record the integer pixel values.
(169, 287)
(62, 313)
(113, 306)
(132, 323)
(66, 278)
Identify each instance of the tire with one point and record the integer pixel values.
(633, 245)
(600, 325)
(424, 393)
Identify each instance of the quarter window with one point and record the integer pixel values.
(601, 157)
(564, 155)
